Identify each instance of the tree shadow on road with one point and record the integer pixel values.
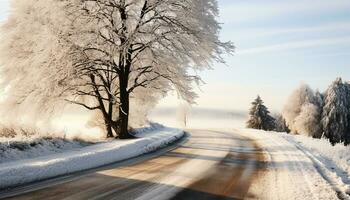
(98, 186)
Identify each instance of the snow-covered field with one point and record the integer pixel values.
(296, 160)
(24, 171)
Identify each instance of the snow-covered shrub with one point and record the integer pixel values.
(7, 132)
(16, 131)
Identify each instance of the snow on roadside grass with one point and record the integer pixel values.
(12, 149)
(30, 170)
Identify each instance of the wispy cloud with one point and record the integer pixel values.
(237, 11)
(294, 45)
(270, 32)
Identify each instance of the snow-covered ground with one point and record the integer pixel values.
(300, 167)
(76, 159)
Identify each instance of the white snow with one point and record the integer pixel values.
(333, 161)
(30, 170)
(299, 167)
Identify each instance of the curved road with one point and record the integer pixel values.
(206, 165)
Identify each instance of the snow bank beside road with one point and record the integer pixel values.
(296, 160)
(30, 170)
(333, 161)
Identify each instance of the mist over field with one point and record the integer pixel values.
(199, 117)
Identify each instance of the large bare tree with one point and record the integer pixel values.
(111, 49)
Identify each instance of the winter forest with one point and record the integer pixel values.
(310, 113)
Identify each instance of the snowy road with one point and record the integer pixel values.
(239, 164)
(208, 165)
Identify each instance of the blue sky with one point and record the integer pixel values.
(279, 45)
(289, 41)
(4, 7)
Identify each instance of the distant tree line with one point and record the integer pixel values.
(308, 112)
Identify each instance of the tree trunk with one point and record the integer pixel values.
(109, 121)
(109, 129)
(123, 131)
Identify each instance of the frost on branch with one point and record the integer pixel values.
(99, 54)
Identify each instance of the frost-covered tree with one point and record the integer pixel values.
(280, 124)
(319, 99)
(319, 103)
(336, 112)
(302, 111)
(100, 53)
(259, 116)
(308, 121)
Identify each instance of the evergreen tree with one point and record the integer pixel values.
(319, 99)
(260, 116)
(336, 112)
(319, 102)
(280, 124)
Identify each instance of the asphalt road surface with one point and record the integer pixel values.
(204, 165)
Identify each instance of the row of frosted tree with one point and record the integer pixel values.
(310, 113)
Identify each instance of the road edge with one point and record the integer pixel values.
(37, 185)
